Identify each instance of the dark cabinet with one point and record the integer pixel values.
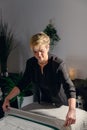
(81, 90)
(1, 110)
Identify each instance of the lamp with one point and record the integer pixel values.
(72, 73)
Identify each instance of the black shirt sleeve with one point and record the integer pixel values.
(68, 85)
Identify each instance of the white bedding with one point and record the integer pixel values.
(60, 113)
(14, 123)
(54, 117)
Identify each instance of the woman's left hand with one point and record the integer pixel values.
(70, 118)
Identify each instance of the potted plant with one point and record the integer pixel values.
(51, 31)
(6, 45)
(9, 83)
(26, 96)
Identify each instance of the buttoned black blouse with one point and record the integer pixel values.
(47, 85)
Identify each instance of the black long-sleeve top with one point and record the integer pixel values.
(47, 85)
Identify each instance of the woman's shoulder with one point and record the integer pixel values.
(31, 60)
(55, 59)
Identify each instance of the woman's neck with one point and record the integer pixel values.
(42, 64)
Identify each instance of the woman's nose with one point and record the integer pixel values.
(39, 53)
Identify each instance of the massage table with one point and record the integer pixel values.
(41, 118)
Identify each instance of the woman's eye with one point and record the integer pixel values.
(41, 51)
(35, 51)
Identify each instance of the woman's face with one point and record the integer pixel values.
(41, 53)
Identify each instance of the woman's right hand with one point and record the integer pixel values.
(6, 105)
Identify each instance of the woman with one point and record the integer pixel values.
(47, 73)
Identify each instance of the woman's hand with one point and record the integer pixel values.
(6, 105)
(70, 118)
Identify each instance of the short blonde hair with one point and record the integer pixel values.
(39, 39)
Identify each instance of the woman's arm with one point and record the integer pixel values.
(71, 114)
(15, 91)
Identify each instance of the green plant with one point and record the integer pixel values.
(6, 45)
(9, 84)
(25, 91)
(52, 33)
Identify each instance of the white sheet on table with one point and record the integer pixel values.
(14, 123)
(60, 114)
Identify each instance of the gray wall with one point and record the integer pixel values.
(28, 17)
